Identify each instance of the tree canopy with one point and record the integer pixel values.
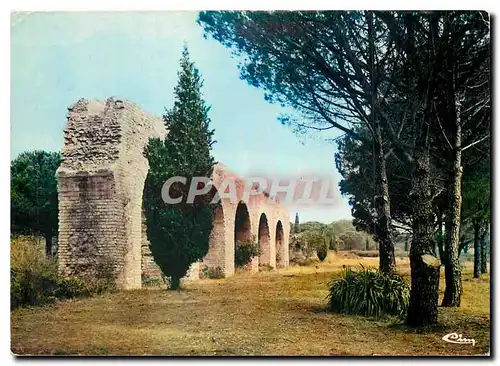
(411, 92)
(33, 192)
(179, 233)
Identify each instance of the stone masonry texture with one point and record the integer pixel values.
(100, 186)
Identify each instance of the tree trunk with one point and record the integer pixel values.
(477, 249)
(48, 245)
(175, 282)
(423, 307)
(452, 270)
(382, 203)
(440, 236)
(384, 232)
(484, 261)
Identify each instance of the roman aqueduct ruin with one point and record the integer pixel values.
(100, 185)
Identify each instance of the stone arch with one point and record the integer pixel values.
(242, 224)
(280, 245)
(100, 187)
(264, 241)
(242, 229)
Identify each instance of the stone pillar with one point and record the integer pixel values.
(100, 185)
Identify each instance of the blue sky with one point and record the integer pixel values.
(57, 58)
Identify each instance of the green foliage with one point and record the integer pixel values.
(340, 234)
(322, 251)
(355, 163)
(476, 193)
(244, 252)
(212, 272)
(313, 226)
(369, 292)
(296, 227)
(179, 233)
(309, 242)
(101, 277)
(34, 278)
(70, 287)
(33, 193)
(438, 67)
(152, 282)
(334, 243)
(352, 240)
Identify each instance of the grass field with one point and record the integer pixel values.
(267, 313)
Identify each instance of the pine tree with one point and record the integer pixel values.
(297, 224)
(33, 194)
(179, 233)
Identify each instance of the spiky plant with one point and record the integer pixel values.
(369, 292)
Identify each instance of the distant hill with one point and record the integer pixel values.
(339, 229)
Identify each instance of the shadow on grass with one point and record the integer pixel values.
(384, 321)
(403, 328)
(320, 309)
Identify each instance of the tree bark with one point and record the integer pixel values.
(387, 260)
(384, 234)
(425, 266)
(484, 260)
(477, 249)
(452, 270)
(175, 283)
(440, 236)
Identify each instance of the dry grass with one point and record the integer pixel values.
(268, 313)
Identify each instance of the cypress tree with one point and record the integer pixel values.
(297, 224)
(179, 233)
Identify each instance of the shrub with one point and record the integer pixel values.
(314, 240)
(153, 281)
(306, 242)
(212, 272)
(322, 251)
(278, 258)
(100, 278)
(244, 252)
(369, 292)
(352, 240)
(297, 243)
(303, 261)
(34, 279)
(70, 287)
(334, 243)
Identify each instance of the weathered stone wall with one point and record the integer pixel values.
(221, 252)
(149, 268)
(101, 181)
(100, 184)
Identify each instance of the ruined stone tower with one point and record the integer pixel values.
(100, 184)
